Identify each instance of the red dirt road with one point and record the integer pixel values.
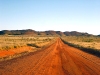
(57, 59)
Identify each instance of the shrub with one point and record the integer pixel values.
(33, 45)
(88, 50)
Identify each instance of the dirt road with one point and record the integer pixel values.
(57, 59)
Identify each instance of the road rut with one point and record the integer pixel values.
(57, 59)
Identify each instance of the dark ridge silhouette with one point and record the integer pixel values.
(73, 33)
(60, 33)
(50, 32)
(99, 35)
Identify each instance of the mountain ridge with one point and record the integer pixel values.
(49, 32)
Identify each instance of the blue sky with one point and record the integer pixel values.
(41, 15)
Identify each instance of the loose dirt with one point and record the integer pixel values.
(57, 59)
(9, 52)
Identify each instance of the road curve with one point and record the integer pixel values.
(57, 59)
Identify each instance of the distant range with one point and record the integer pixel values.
(43, 33)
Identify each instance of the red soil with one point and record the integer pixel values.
(14, 51)
(57, 59)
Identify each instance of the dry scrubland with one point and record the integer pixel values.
(89, 44)
(56, 59)
(84, 41)
(17, 45)
(12, 44)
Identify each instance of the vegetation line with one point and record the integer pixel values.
(88, 50)
(25, 53)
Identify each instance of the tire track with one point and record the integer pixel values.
(57, 59)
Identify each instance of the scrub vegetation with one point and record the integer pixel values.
(89, 44)
(17, 45)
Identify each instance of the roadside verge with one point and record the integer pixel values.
(88, 50)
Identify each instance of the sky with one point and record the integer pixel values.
(58, 15)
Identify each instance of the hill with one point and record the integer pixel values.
(50, 32)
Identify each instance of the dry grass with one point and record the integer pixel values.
(84, 41)
(87, 44)
(10, 42)
(14, 46)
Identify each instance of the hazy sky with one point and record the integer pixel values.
(41, 15)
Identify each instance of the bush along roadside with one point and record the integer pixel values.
(88, 50)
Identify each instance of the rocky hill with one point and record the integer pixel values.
(50, 32)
